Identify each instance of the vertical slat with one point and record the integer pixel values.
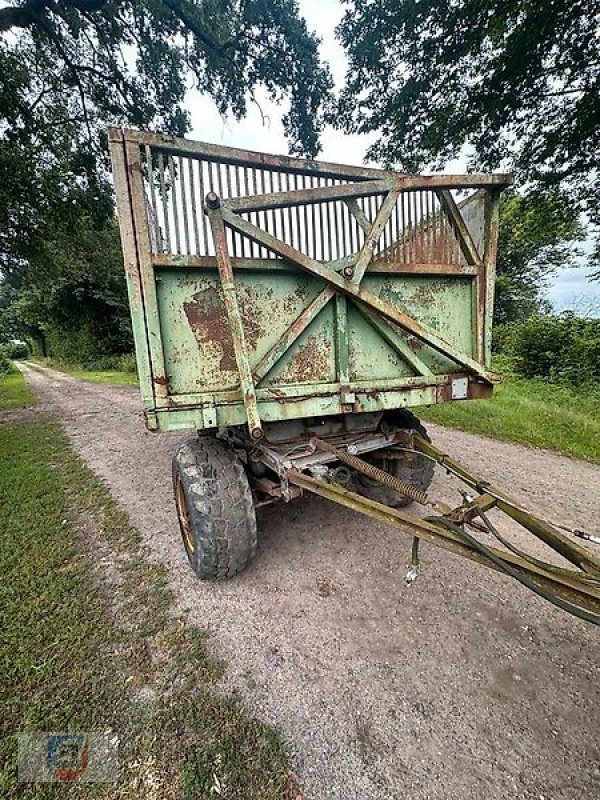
(387, 234)
(256, 216)
(174, 204)
(153, 203)
(236, 177)
(288, 188)
(195, 226)
(203, 192)
(283, 211)
(184, 206)
(307, 237)
(254, 248)
(164, 200)
(400, 249)
(329, 230)
(266, 221)
(428, 223)
(299, 228)
(313, 214)
(275, 211)
(338, 226)
(321, 229)
(231, 235)
(409, 219)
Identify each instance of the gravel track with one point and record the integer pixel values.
(463, 686)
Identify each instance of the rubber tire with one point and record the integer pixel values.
(419, 473)
(218, 500)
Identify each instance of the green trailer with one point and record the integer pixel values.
(292, 312)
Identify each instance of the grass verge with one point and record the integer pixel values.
(531, 412)
(94, 376)
(89, 643)
(14, 392)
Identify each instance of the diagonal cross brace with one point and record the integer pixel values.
(351, 289)
(360, 264)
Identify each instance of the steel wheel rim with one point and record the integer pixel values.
(185, 522)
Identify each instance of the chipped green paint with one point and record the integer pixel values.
(400, 308)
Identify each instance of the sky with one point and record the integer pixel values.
(569, 288)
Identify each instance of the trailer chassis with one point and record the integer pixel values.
(317, 465)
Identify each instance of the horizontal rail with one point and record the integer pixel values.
(350, 191)
(170, 261)
(268, 202)
(244, 158)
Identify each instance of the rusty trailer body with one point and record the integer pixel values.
(291, 311)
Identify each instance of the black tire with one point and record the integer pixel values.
(214, 507)
(416, 470)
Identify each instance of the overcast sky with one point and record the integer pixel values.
(570, 287)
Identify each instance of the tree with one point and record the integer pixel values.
(537, 236)
(72, 67)
(518, 83)
(131, 60)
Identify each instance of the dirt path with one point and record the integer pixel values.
(464, 686)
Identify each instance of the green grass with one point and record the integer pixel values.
(104, 376)
(82, 643)
(532, 412)
(14, 392)
(94, 376)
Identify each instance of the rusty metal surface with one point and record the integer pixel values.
(334, 290)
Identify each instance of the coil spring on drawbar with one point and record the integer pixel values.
(371, 471)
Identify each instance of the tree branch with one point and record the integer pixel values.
(21, 16)
(185, 14)
(31, 13)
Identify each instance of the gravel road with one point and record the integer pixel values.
(463, 686)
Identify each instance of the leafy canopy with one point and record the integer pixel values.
(536, 235)
(72, 67)
(517, 82)
(131, 61)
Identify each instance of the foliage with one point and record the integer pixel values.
(6, 367)
(71, 295)
(132, 62)
(14, 350)
(68, 70)
(530, 411)
(536, 238)
(563, 348)
(516, 82)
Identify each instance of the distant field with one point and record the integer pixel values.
(531, 412)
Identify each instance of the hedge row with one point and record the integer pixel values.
(561, 348)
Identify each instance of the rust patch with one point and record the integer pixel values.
(480, 391)
(208, 321)
(311, 363)
(254, 307)
(415, 344)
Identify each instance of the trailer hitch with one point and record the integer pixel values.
(576, 591)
